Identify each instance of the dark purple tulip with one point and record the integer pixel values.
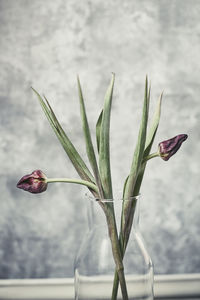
(34, 183)
(170, 147)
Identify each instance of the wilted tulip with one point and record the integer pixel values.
(170, 147)
(35, 183)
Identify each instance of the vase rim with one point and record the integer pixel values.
(115, 199)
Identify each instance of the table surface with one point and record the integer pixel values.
(179, 286)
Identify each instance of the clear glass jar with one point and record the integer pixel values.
(95, 266)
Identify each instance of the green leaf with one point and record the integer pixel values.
(139, 181)
(140, 146)
(127, 208)
(88, 139)
(124, 188)
(149, 142)
(104, 145)
(69, 148)
(98, 129)
(154, 126)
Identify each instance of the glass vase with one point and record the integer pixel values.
(95, 267)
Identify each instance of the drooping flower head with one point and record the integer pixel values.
(170, 147)
(35, 183)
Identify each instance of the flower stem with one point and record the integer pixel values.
(117, 255)
(150, 156)
(123, 241)
(76, 181)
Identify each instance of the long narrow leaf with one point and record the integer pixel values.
(98, 129)
(140, 146)
(104, 146)
(127, 216)
(149, 142)
(88, 139)
(154, 126)
(71, 151)
(69, 148)
(127, 209)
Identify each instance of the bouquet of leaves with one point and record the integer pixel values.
(99, 181)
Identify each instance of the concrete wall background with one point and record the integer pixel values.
(44, 44)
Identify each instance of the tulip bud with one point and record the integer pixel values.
(170, 147)
(35, 183)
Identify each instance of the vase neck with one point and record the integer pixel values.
(96, 216)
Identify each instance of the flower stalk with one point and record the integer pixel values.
(88, 184)
(116, 249)
(150, 156)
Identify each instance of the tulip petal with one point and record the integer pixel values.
(169, 147)
(34, 183)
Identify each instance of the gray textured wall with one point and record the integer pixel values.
(45, 44)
